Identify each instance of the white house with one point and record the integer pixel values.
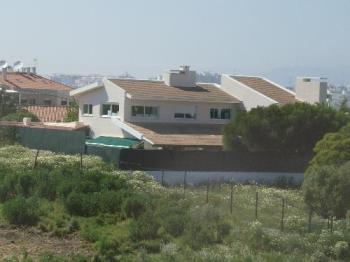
(179, 112)
(256, 91)
(175, 113)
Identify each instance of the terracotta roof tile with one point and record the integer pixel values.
(266, 88)
(169, 134)
(157, 90)
(48, 113)
(17, 80)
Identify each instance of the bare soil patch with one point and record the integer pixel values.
(17, 241)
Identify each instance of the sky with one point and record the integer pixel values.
(276, 38)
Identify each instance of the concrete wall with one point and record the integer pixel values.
(311, 89)
(248, 96)
(195, 178)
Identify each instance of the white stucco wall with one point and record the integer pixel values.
(102, 126)
(314, 90)
(248, 96)
(166, 110)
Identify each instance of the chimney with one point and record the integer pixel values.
(182, 77)
(311, 89)
(4, 73)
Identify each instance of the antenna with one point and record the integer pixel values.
(17, 66)
(3, 64)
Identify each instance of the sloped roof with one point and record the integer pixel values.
(49, 113)
(19, 80)
(158, 90)
(176, 134)
(267, 88)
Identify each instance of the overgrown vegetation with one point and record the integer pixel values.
(327, 182)
(127, 216)
(72, 112)
(291, 128)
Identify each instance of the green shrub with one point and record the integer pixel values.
(110, 201)
(135, 205)
(21, 211)
(26, 184)
(82, 204)
(145, 227)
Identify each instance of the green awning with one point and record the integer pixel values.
(107, 141)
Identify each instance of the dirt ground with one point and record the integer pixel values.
(15, 242)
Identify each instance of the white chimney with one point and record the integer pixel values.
(311, 89)
(180, 78)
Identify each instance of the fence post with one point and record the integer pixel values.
(282, 215)
(310, 218)
(162, 177)
(332, 223)
(81, 160)
(207, 199)
(36, 159)
(231, 199)
(256, 204)
(185, 179)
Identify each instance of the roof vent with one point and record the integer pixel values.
(182, 77)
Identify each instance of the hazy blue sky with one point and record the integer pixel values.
(274, 37)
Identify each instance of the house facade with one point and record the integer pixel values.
(177, 112)
(33, 89)
(256, 91)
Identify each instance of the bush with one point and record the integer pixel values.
(135, 205)
(82, 204)
(21, 211)
(110, 201)
(327, 190)
(206, 227)
(145, 227)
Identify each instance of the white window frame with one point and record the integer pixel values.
(89, 106)
(110, 114)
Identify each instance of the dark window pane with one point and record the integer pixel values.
(179, 115)
(225, 113)
(138, 111)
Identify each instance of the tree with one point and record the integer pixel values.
(8, 101)
(327, 190)
(326, 184)
(72, 112)
(291, 128)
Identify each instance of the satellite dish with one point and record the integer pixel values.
(3, 64)
(17, 66)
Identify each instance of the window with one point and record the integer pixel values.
(138, 111)
(225, 113)
(64, 102)
(216, 113)
(87, 109)
(24, 101)
(144, 111)
(47, 102)
(151, 111)
(186, 112)
(110, 109)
